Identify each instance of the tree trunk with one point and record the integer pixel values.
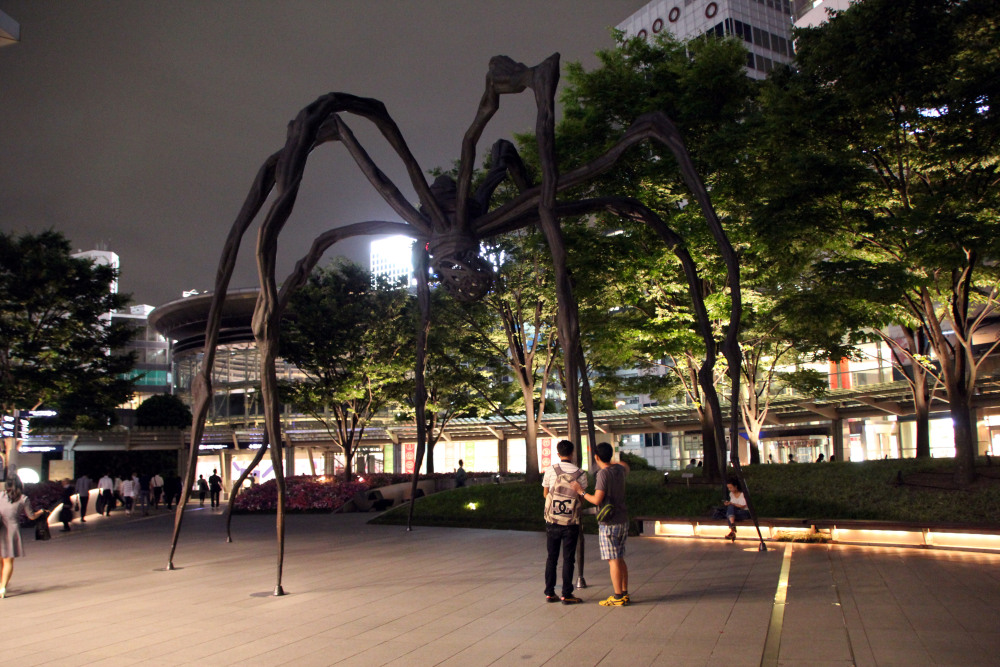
(966, 441)
(348, 456)
(753, 444)
(531, 471)
(921, 412)
(712, 468)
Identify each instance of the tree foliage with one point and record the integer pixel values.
(164, 410)
(353, 340)
(57, 343)
(908, 92)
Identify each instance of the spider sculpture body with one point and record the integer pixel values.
(449, 224)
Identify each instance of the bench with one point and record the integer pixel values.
(838, 531)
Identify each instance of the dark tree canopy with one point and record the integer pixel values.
(164, 410)
(55, 333)
(909, 99)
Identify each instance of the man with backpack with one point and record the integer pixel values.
(562, 521)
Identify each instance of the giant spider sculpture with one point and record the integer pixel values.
(448, 226)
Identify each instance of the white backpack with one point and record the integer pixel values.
(562, 504)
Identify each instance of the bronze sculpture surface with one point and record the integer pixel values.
(448, 225)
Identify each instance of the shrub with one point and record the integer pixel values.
(634, 461)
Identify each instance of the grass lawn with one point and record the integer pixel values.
(841, 490)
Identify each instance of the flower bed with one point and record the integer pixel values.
(305, 494)
(41, 496)
(319, 494)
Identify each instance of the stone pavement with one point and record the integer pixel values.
(377, 595)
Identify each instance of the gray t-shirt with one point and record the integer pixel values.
(611, 480)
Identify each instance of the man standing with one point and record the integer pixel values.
(460, 474)
(612, 516)
(215, 487)
(562, 521)
(106, 486)
(83, 489)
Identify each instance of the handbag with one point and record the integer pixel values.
(605, 511)
(42, 529)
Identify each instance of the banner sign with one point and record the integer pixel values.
(409, 457)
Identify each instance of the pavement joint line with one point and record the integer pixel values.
(772, 644)
(840, 603)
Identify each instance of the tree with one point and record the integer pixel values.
(702, 87)
(912, 97)
(164, 410)
(57, 343)
(461, 373)
(352, 338)
(523, 303)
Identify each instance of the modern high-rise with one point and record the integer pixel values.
(808, 13)
(764, 25)
(152, 351)
(391, 258)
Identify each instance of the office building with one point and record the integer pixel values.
(764, 25)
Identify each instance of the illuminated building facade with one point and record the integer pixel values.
(764, 25)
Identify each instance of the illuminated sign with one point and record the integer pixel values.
(39, 449)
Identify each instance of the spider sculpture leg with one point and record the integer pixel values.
(316, 124)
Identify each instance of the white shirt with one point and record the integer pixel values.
(105, 483)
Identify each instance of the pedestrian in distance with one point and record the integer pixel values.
(66, 513)
(172, 489)
(460, 474)
(13, 503)
(562, 521)
(83, 492)
(215, 487)
(142, 489)
(156, 486)
(106, 488)
(128, 494)
(612, 520)
(202, 489)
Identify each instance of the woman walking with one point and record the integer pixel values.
(12, 503)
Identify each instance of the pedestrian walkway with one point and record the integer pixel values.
(378, 595)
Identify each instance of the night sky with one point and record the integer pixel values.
(138, 125)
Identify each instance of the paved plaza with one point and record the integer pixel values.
(377, 595)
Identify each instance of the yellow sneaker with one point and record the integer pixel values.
(614, 602)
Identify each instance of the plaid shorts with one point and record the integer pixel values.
(612, 540)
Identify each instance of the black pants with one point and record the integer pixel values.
(109, 501)
(566, 537)
(84, 499)
(215, 497)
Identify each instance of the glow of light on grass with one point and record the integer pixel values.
(472, 506)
